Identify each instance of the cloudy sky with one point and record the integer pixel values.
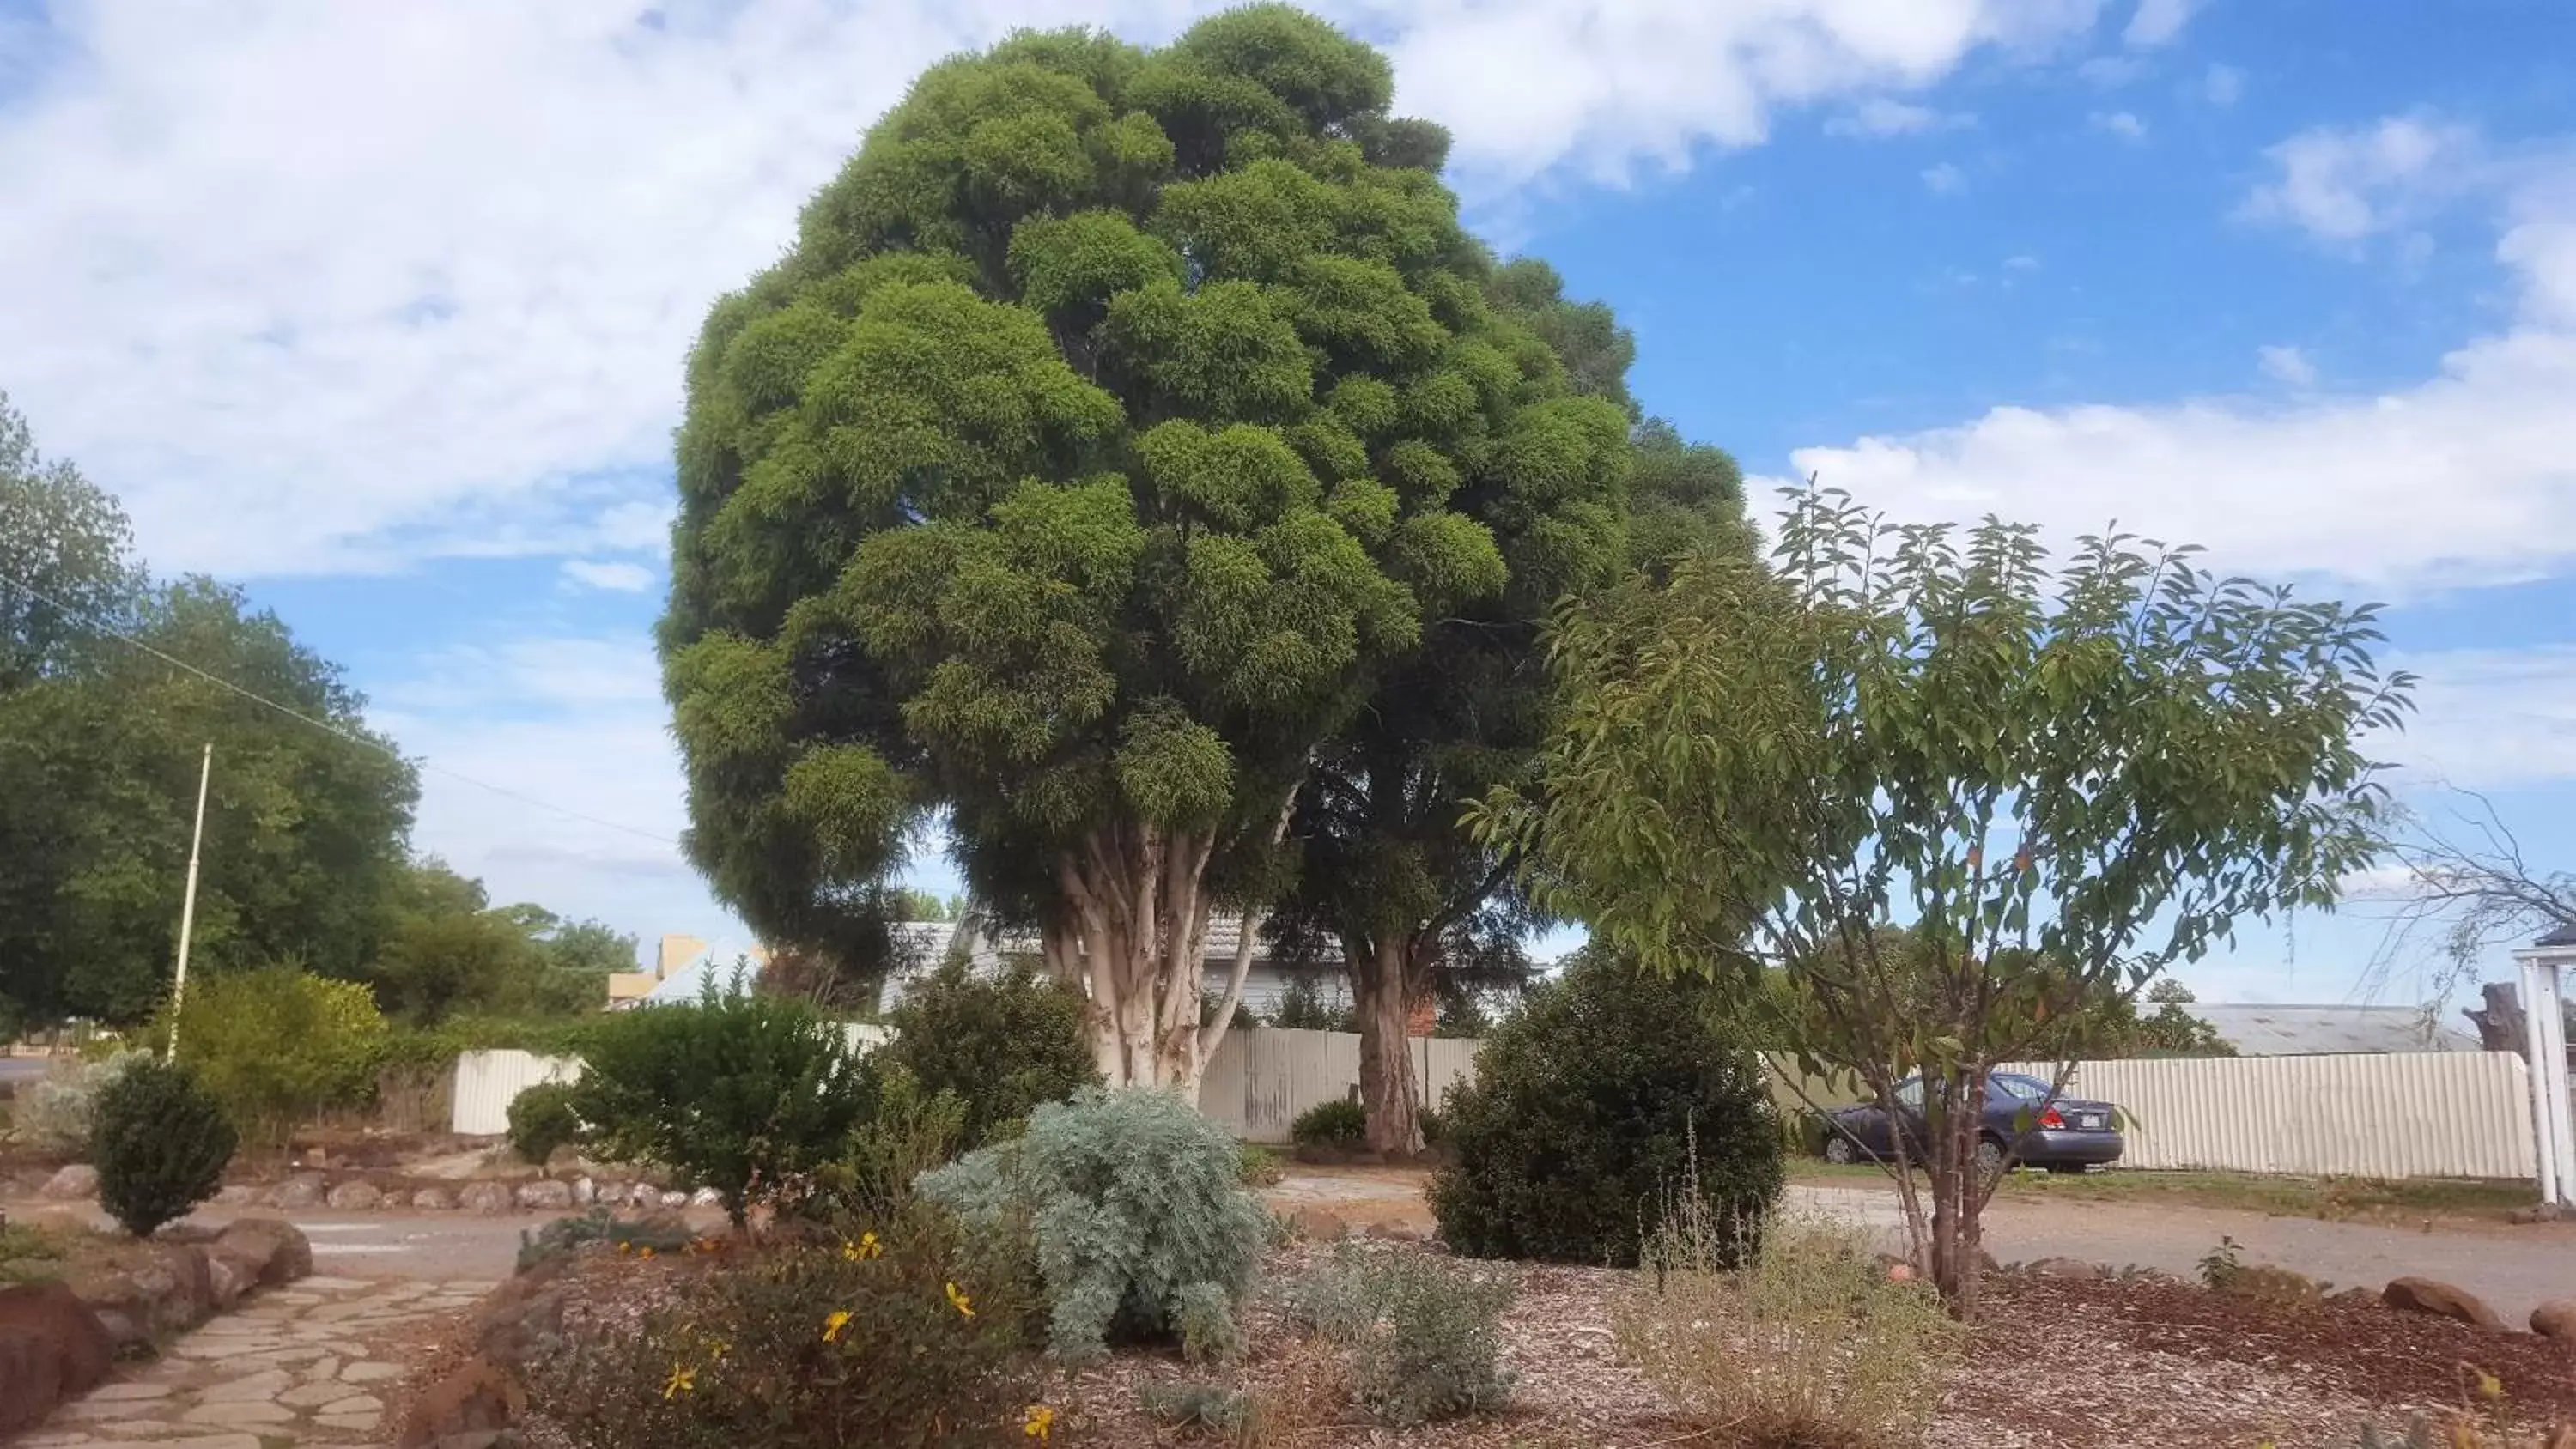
(380, 310)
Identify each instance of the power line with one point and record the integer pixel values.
(84, 617)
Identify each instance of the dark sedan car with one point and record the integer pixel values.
(2021, 1124)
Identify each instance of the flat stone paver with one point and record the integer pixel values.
(291, 1367)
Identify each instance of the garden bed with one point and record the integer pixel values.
(2058, 1364)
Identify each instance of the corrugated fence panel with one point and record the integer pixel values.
(2421, 1114)
(488, 1082)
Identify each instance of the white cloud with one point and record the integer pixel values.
(575, 723)
(1944, 179)
(329, 287)
(2346, 184)
(1880, 116)
(2123, 124)
(2022, 262)
(2463, 478)
(2287, 364)
(2224, 85)
(615, 576)
(2158, 22)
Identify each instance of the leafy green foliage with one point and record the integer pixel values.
(160, 1144)
(2068, 778)
(55, 1114)
(1424, 1334)
(1120, 420)
(1001, 1045)
(1301, 1006)
(276, 1046)
(1139, 1227)
(542, 1119)
(743, 1093)
(1336, 1123)
(1210, 1409)
(447, 950)
(1609, 1098)
(914, 1345)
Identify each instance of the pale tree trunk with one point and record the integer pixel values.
(1139, 917)
(1382, 992)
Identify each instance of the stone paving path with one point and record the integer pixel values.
(291, 1366)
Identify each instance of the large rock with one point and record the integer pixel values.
(263, 1252)
(584, 1192)
(303, 1190)
(79, 1180)
(359, 1196)
(706, 1197)
(52, 1347)
(433, 1199)
(150, 1291)
(239, 1194)
(2425, 1295)
(488, 1198)
(545, 1194)
(2556, 1319)
(1319, 1224)
(473, 1399)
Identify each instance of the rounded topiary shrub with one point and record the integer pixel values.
(541, 1120)
(160, 1142)
(1002, 1044)
(1594, 1112)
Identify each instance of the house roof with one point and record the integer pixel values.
(687, 982)
(2259, 1030)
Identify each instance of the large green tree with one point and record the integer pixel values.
(65, 560)
(2062, 779)
(1390, 879)
(446, 950)
(1119, 420)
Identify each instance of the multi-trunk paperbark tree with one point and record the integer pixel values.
(1096, 451)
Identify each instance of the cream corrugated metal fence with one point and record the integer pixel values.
(1261, 1079)
(2417, 1114)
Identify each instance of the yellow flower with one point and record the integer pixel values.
(964, 1305)
(683, 1379)
(625, 1247)
(2489, 1386)
(832, 1326)
(644, 1252)
(864, 1249)
(1040, 1422)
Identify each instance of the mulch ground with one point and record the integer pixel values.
(2124, 1363)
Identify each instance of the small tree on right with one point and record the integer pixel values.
(2061, 780)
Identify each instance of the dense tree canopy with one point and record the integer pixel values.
(1118, 423)
(305, 859)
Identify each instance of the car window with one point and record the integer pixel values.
(2006, 1087)
(1909, 1094)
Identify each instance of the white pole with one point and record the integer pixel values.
(188, 902)
(2544, 1120)
(2549, 1007)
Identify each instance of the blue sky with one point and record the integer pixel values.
(380, 311)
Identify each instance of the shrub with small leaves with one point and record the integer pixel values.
(1424, 1334)
(54, 1115)
(1209, 1409)
(279, 1044)
(541, 1120)
(1259, 1166)
(1139, 1228)
(906, 1339)
(1337, 1123)
(160, 1142)
(1000, 1044)
(1587, 1112)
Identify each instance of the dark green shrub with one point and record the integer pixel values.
(541, 1120)
(1577, 1134)
(1001, 1044)
(1337, 1123)
(1259, 1166)
(743, 1093)
(1139, 1227)
(1424, 1334)
(1302, 1007)
(911, 1341)
(908, 1131)
(160, 1142)
(1208, 1409)
(278, 1045)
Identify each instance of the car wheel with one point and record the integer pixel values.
(1990, 1156)
(1839, 1151)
